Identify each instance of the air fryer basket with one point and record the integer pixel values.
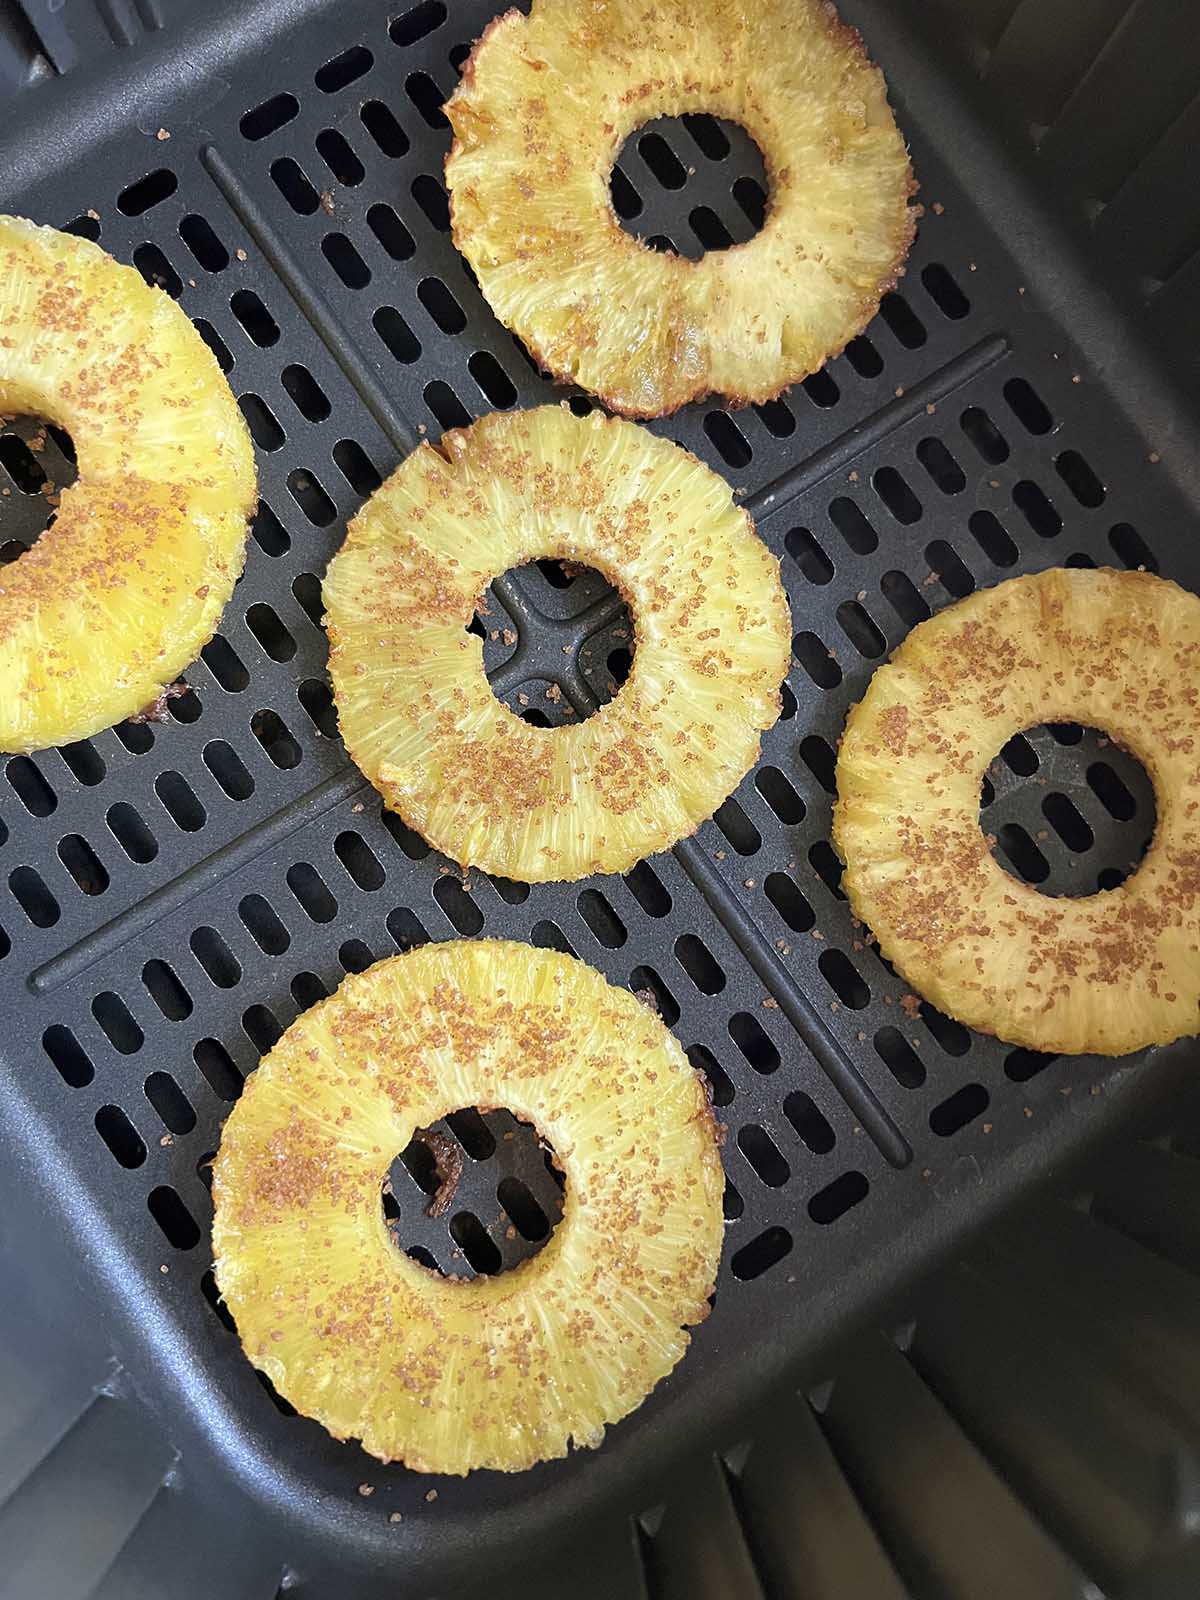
(172, 895)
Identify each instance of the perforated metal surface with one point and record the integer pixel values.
(172, 896)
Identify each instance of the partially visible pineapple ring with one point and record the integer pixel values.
(441, 1373)
(1108, 973)
(118, 596)
(544, 107)
(712, 634)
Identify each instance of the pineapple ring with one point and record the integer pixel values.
(444, 1374)
(118, 596)
(546, 103)
(1108, 973)
(417, 714)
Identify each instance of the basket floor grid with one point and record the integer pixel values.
(172, 896)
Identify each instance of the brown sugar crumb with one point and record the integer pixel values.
(396, 1516)
(366, 1489)
(240, 253)
(938, 208)
(911, 1006)
(719, 855)
(853, 477)
(164, 1268)
(358, 808)
(448, 1160)
(751, 883)
(899, 391)
(1027, 1110)
(156, 711)
(431, 1496)
(817, 934)
(94, 214)
(554, 693)
(770, 1003)
(648, 999)
(509, 636)
(327, 202)
(930, 409)
(987, 1127)
(1154, 458)
(161, 135)
(166, 1141)
(523, 699)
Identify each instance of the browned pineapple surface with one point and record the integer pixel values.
(117, 597)
(1109, 972)
(442, 1373)
(545, 105)
(712, 639)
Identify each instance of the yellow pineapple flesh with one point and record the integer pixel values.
(450, 1374)
(417, 714)
(1108, 972)
(118, 595)
(544, 107)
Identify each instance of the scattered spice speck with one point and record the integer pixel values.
(366, 1489)
(431, 1496)
(161, 135)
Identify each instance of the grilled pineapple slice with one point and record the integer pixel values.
(417, 714)
(544, 107)
(442, 1373)
(1110, 972)
(119, 594)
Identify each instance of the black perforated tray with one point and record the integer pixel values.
(171, 896)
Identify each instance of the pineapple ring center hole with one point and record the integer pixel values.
(473, 1194)
(1069, 811)
(687, 185)
(37, 462)
(558, 641)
